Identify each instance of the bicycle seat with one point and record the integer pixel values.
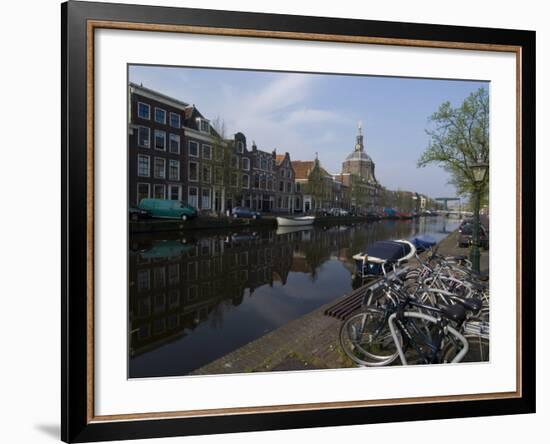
(456, 312)
(471, 304)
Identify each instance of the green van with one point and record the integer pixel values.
(168, 209)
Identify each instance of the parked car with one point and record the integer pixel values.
(135, 213)
(168, 209)
(465, 234)
(338, 212)
(245, 213)
(320, 212)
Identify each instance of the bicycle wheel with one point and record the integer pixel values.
(478, 350)
(366, 338)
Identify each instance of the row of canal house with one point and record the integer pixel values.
(176, 153)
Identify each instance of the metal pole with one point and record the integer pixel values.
(474, 251)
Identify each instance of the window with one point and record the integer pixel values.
(204, 125)
(240, 146)
(288, 173)
(206, 173)
(298, 187)
(193, 198)
(246, 181)
(263, 183)
(143, 280)
(288, 187)
(193, 149)
(144, 111)
(193, 171)
(256, 181)
(160, 140)
(173, 274)
(160, 116)
(219, 153)
(219, 175)
(205, 198)
(281, 186)
(174, 170)
(269, 184)
(160, 168)
(175, 120)
(207, 152)
(282, 173)
(174, 192)
(143, 136)
(143, 166)
(234, 179)
(264, 164)
(142, 191)
(246, 163)
(174, 147)
(234, 162)
(159, 191)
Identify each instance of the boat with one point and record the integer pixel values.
(404, 215)
(382, 256)
(423, 242)
(295, 221)
(390, 213)
(292, 229)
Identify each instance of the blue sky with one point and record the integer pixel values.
(308, 113)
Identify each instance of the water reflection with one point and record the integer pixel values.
(196, 297)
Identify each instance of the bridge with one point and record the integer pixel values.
(445, 200)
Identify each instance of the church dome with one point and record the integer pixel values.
(359, 155)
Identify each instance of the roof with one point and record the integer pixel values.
(302, 168)
(188, 112)
(279, 158)
(359, 155)
(156, 95)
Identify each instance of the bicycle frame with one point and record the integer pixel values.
(418, 315)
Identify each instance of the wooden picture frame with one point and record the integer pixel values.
(79, 22)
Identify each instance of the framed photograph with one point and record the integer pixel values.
(275, 221)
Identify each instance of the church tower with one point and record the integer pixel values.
(359, 138)
(359, 162)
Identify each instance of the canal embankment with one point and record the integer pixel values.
(309, 342)
(222, 222)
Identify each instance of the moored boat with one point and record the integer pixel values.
(381, 256)
(295, 221)
(423, 242)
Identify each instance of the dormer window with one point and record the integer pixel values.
(240, 146)
(204, 125)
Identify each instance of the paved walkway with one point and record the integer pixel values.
(310, 342)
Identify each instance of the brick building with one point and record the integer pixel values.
(155, 145)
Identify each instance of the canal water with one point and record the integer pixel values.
(196, 296)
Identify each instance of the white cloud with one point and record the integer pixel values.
(283, 92)
(310, 116)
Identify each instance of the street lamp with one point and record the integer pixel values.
(479, 169)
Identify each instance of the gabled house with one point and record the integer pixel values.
(315, 185)
(286, 200)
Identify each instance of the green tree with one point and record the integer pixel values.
(359, 192)
(317, 186)
(226, 172)
(459, 137)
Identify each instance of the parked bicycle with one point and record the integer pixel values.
(427, 317)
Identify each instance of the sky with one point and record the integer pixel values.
(306, 114)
